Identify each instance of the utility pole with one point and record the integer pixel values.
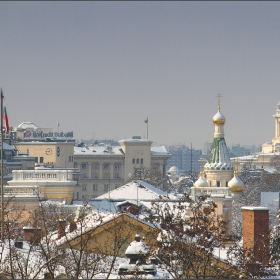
(2, 170)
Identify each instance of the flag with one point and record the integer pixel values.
(146, 121)
(6, 120)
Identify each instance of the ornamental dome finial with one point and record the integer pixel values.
(219, 118)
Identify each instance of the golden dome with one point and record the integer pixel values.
(201, 182)
(236, 184)
(219, 118)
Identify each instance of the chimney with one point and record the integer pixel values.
(256, 231)
(73, 226)
(61, 228)
(32, 235)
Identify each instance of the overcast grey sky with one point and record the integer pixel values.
(100, 68)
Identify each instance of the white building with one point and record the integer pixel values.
(106, 167)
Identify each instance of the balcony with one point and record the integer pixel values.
(42, 175)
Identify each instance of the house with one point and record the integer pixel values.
(108, 234)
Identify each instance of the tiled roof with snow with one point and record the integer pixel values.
(91, 222)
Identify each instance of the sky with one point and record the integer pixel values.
(100, 69)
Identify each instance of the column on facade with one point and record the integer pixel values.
(111, 173)
(90, 169)
(100, 170)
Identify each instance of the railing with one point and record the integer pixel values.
(22, 190)
(43, 175)
(195, 191)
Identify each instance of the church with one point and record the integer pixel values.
(218, 178)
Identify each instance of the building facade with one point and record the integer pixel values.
(106, 167)
(269, 150)
(185, 158)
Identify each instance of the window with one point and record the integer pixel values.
(117, 166)
(36, 159)
(94, 175)
(84, 166)
(106, 166)
(95, 165)
(137, 161)
(142, 161)
(156, 166)
(133, 160)
(117, 175)
(106, 187)
(41, 159)
(70, 158)
(77, 195)
(226, 183)
(106, 175)
(218, 184)
(84, 187)
(95, 187)
(117, 186)
(75, 165)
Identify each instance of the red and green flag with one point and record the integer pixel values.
(6, 120)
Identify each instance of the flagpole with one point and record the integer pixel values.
(147, 128)
(2, 170)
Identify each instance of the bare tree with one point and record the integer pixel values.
(190, 231)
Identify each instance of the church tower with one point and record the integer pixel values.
(219, 168)
(218, 179)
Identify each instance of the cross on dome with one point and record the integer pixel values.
(219, 102)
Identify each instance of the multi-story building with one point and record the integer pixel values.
(269, 150)
(106, 167)
(50, 149)
(184, 158)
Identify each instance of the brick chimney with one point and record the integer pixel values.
(61, 228)
(32, 235)
(256, 231)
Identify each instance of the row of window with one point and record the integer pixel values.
(137, 160)
(218, 184)
(106, 187)
(96, 165)
(41, 159)
(105, 176)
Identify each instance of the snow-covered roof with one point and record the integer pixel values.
(25, 125)
(8, 147)
(98, 150)
(135, 190)
(114, 150)
(160, 150)
(135, 248)
(136, 139)
(92, 221)
(248, 157)
(254, 208)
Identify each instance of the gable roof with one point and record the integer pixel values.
(136, 190)
(98, 230)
